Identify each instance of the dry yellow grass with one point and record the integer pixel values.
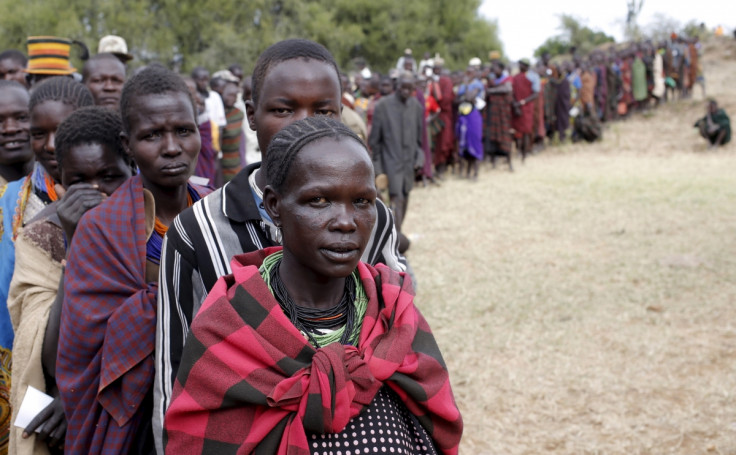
(587, 302)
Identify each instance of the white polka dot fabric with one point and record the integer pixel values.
(386, 426)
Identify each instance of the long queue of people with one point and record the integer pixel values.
(420, 119)
(488, 112)
(162, 297)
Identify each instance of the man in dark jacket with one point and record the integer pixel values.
(396, 143)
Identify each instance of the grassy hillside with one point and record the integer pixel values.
(587, 302)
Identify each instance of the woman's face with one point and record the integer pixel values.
(45, 120)
(94, 164)
(163, 139)
(326, 209)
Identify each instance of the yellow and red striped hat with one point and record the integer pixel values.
(49, 55)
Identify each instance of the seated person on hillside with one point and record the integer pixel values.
(715, 126)
(587, 126)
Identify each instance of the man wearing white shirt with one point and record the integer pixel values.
(212, 100)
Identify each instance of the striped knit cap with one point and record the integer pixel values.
(49, 55)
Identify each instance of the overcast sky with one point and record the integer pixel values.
(525, 24)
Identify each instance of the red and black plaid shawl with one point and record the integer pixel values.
(108, 325)
(498, 117)
(249, 382)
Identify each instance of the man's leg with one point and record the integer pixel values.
(397, 206)
(405, 206)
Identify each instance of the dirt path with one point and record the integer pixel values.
(587, 302)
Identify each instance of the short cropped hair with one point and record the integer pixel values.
(90, 125)
(289, 49)
(99, 58)
(14, 55)
(153, 80)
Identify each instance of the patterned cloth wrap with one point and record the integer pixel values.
(5, 411)
(108, 325)
(499, 116)
(250, 382)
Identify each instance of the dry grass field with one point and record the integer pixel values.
(586, 303)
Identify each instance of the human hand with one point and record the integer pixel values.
(52, 422)
(75, 202)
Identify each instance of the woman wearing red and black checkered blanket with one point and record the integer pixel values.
(305, 349)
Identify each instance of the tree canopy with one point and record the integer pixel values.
(217, 33)
(574, 34)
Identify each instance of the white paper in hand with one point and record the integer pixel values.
(34, 402)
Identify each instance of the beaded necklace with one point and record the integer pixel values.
(43, 183)
(319, 326)
(50, 188)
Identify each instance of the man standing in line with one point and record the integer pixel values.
(104, 76)
(396, 143)
(526, 86)
(444, 142)
(212, 102)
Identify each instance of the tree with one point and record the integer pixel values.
(222, 32)
(661, 27)
(554, 45)
(574, 34)
(632, 31)
(694, 29)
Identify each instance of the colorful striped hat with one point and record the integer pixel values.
(49, 55)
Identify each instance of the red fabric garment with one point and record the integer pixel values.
(250, 382)
(430, 106)
(498, 118)
(628, 96)
(693, 65)
(207, 154)
(108, 326)
(445, 139)
(522, 88)
(369, 112)
(426, 169)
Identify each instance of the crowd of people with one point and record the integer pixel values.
(215, 264)
(175, 284)
(496, 109)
